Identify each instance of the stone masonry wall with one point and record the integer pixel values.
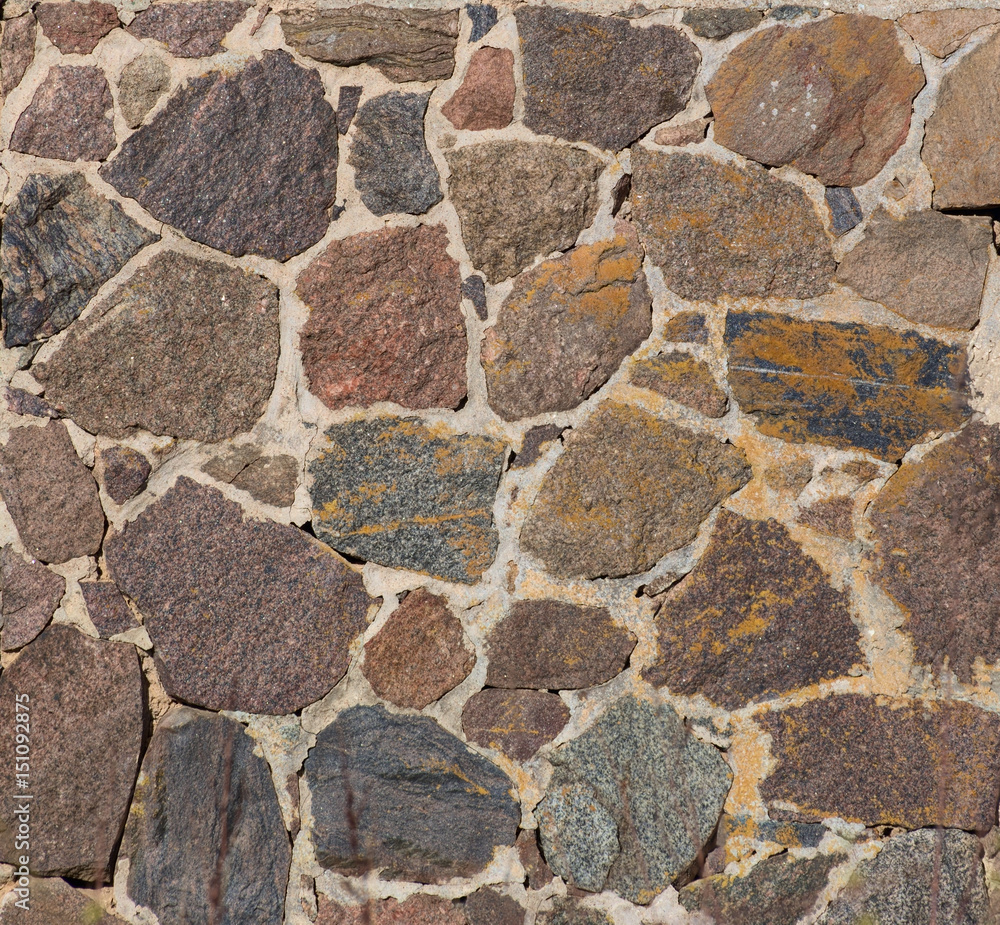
(499, 464)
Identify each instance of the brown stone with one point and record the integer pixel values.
(721, 229)
(531, 859)
(271, 479)
(928, 267)
(720, 23)
(566, 327)
(596, 513)
(385, 321)
(141, 85)
(69, 117)
(910, 763)
(30, 595)
(107, 608)
(488, 907)
(833, 516)
(517, 200)
(682, 378)
(50, 494)
(76, 28)
(568, 911)
(55, 901)
(686, 328)
(17, 50)
(420, 654)
(123, 472)
(943, 31)
(486, 97)
(687, 133)
(87, 717)
(535, 444)
(832, 97)
(517, 723)
(853, 386)
(186, 347)
(755, 619)
(244, 614)
(24, 403)
(417, 910)
(553, 645)
(189, 30)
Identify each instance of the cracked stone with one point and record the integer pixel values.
(720, 23)
(189, 30)
(140, 87)
(943, 31)
(76, 28)
(684, 379)
(270, 479)
(107, 608)
(30, 594)
(123, 471)
(517, 723)
(486, 97)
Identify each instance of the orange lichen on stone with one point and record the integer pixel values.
(683, 379)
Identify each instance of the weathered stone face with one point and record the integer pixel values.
(417, 910)
(567, 911)
(30, 594)
(486, 97)
(943, 31)
(413, 775)
(682, 378)
(911, 763)
(488, 907)
(124, 472)
(720, 23)
(517, 723)
(142, 83)
(844, 384)
(189, 30)
(599, 78)
(17, 50)
(271, 479)
(832, 97)
(107, 608)
(845, 210)
(76, 28)
(628, 489)
(53, 900)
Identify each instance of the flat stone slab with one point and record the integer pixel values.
(842, 384)
(943, 31)
(720, 23)
(683, 379)
(567, 911)
(107, 608)
(17, 50)
(143, 81)
(30, 594)
(123, 472)
(53, 900)
(486, 98)
(517, 723)
(189, 30)
(76, 29)
(273, 641)
(490, 907)
(432, 808)
(438, 519)
(270, 478)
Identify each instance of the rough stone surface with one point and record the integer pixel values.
(919, 878)
(687, 133)
(929, 268)
(417, 910)
(141, 85)
(198, 164)
(832, 97)
(54, 900)
(488, 907)
(844, 384)
(566, 327)
(682, 378)
(244, 614)
(186, 347)
(268, 478)
(24, 403)
(124, 472)
(909, 763)
(69, 117)
(517, 200)
(553, 645)
(599, 78)
(347, 107)
(595, 514)
(17, 50)
(720, 23)
(833, 516)
(567, 911)
(107, 608)
(189, 30)
(517, 723)
(385, 321)
(845, 210)
(720, 229)
(686, 328)
(755, 619)
(413, 774)
(76, 28)
(474, 289)
(61, 242)
(30, 595)
(420, 654)
(86, 700)
(631, 802)
(486, 97)
(943, 31)
(50, 494)
(205, 818)
(532, 861)
(534, 444)
(484, 17)
(403, 44)
(393, 170)
(439, 517)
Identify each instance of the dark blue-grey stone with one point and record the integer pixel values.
(61, 241)
(393, 170)
(401, 793)
(845, 210)
(474, 289)
(484, 18)
(790, 11)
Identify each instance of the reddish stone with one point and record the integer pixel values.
(76, 28)
(17, 50)
(189, 30)
(486, 97)
(517, 723)
(31, 594)
(531, 859)
(943, 31)
(271, 479)
(107, 608)
(385, 321)
(488, 907)
(683, 379)
(417, 910)
(124, 472)
(420, 654)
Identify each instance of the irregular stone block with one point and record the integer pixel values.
(845, 210)
(833, 516)
(517, 723)
(50, 494)
(61, 242)
(271, 479)
(85, 699)
(567, 911)
(566, 327)
(853, 386)
(533, 444)
(686, 328)
(474, 289)
(413, 774)
(419, 909)
(123, 471)
(398, 280)
(910, 763)
(54, 900)
(189, 30)
(599, 78)
(832, 98)
(198, 164)
(205, 830)
(30, 595)
(689, 133)
(595, 514)
(720, 229)
(755, 619)
(347, 106)
(488, 907)
(484, 18)
(403, 44)
(720, 23)
(17, 50)
(928, 267)
(943, 31)
(76, 28)
(141, 85)
(517, 200)
(244, 614)
(631, 802)
(682, 378)
(107, 608)
(437, 519)
(486, 97)
(551, 645)
(531, 859)
(23, 403)
(186, 347)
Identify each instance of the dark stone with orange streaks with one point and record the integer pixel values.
(517, 723)
(17, 51)
(783, 834)
(124, 472)
(852, 386)
(686, 328)
(908, 763)
(486, 97)
(107, 608)
(683, 379)
(756, 618)
(76, 28)
(30, 595)
(189, 30)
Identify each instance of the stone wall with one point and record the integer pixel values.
(499, 464)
